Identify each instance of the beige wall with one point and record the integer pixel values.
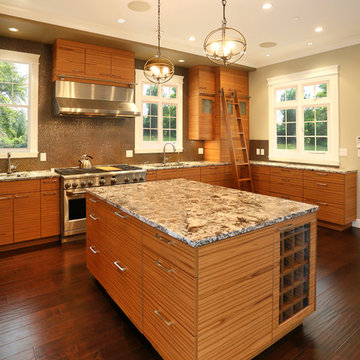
(348, 60)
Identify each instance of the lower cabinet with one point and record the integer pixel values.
(227, 300)
(6, 219)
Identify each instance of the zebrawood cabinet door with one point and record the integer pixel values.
(6, 219)
(50, 213)
(26, 216)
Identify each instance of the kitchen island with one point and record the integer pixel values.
(204, 272)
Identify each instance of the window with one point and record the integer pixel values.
(303, 117)
(161, 114)
(18, 104)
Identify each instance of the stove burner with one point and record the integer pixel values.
(125, 167)
(95, 170)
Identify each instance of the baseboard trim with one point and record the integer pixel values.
(356, 223)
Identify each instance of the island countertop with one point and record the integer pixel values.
(197, 213)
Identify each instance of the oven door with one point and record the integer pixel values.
(74, 212)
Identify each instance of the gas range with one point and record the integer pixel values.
(104, 175)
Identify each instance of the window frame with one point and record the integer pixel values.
(146, 147)
(33, 61)
(328, 75)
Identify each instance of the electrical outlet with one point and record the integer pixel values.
(257, 151)
(343, 152)
(42, 156)
(262, 152)
(359, 153)
(129, 153)
(200, 151)
(358, 142)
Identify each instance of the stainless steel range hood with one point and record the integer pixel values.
(82, 99)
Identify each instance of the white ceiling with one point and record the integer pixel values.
(290, 23)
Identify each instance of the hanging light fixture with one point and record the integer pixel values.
(225, 45)
(159, 69)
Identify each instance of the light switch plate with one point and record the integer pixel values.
(42, 156)
(200, 151)
(262, 152)
(257, 151)
(343, 152)
(129, 153)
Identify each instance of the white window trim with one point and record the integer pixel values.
(33, 61)
(298, 80)
(142, 147)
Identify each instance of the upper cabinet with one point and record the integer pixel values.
(90, 63)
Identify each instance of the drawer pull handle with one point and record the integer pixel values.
(5, 198)
(93, 250)
(49, 181)
(322, 174)
(161, 266)
(21, 196)
(322, 184)
(322, 203)
(168, 242)
(118, 266)
(118, 214)
(285, 227)
(49, 193)
(167, 322)
(93, 200)
(93, 217)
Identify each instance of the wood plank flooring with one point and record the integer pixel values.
(51, 308)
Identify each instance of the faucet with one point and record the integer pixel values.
(164, 158)
(10, 167)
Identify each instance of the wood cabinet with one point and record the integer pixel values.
(186, 173)
(29, 209)
(226, 300)
(334, 193)
(93, 64)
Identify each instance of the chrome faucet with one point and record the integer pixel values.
(10, 167)
(164, 158)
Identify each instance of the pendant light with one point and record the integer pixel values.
(224, 45)
(159, 69)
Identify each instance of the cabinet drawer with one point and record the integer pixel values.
(212, 170)
(285, 172)
(329, 212)
(172, 288)
(260, 170)
(49, 184)
(19, 186)
(95, 262)
(6, 219)
(167, 336)
(286, 186)
(261, 187)
(150, 175)
(217, 178)
(190, 174)
(176, 252)
(286, 197)
(95, 219)
(324, 191)
(323, 176)
(50, 213)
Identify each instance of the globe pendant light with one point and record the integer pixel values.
(159, 69)
(224, 45)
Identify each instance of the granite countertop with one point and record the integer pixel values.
(197, 213)
(181, 165)
(304, 167)
(28, 175)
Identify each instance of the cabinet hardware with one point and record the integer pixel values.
(322, 203)
(93, 250)
(322, 184)
(167, 322)
(5, 198)
(49, 193)
(322, 174)
(71, 193)
(118, 214)
(158, 236)
(118, 266)
(285, 227)
(22, 196)
(93, 200)
(207, 94)
(49, 181)
(77, 71)
(161, 266)
(93, 217)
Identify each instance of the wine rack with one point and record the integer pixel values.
(294, 271)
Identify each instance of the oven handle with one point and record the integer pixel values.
(71, 193)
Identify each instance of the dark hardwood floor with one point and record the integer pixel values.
(51, 308)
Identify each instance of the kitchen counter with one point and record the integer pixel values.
(180, 165)
(304, 167)
(197, 213)
(28, 175)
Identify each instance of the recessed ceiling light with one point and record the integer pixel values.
(309, 43)
(267, 55)
(13, 29)
(296, 18)
(121, 21)
(267, 6)
(192, 38)
(267, 44)
(139, 6)
(181, 60)
(319, 29)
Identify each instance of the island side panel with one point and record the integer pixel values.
(235, 296)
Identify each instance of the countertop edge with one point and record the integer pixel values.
(36, 176)
(151, 167)
(211, 239)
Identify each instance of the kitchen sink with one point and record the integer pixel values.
(4, 176)
(169, 164)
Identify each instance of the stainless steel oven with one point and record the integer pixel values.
(74, 207)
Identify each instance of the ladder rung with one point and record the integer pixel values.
(241, 163)
(238, 133)
(240, 148)
(244, 179)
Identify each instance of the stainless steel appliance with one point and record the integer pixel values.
(75, 181)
